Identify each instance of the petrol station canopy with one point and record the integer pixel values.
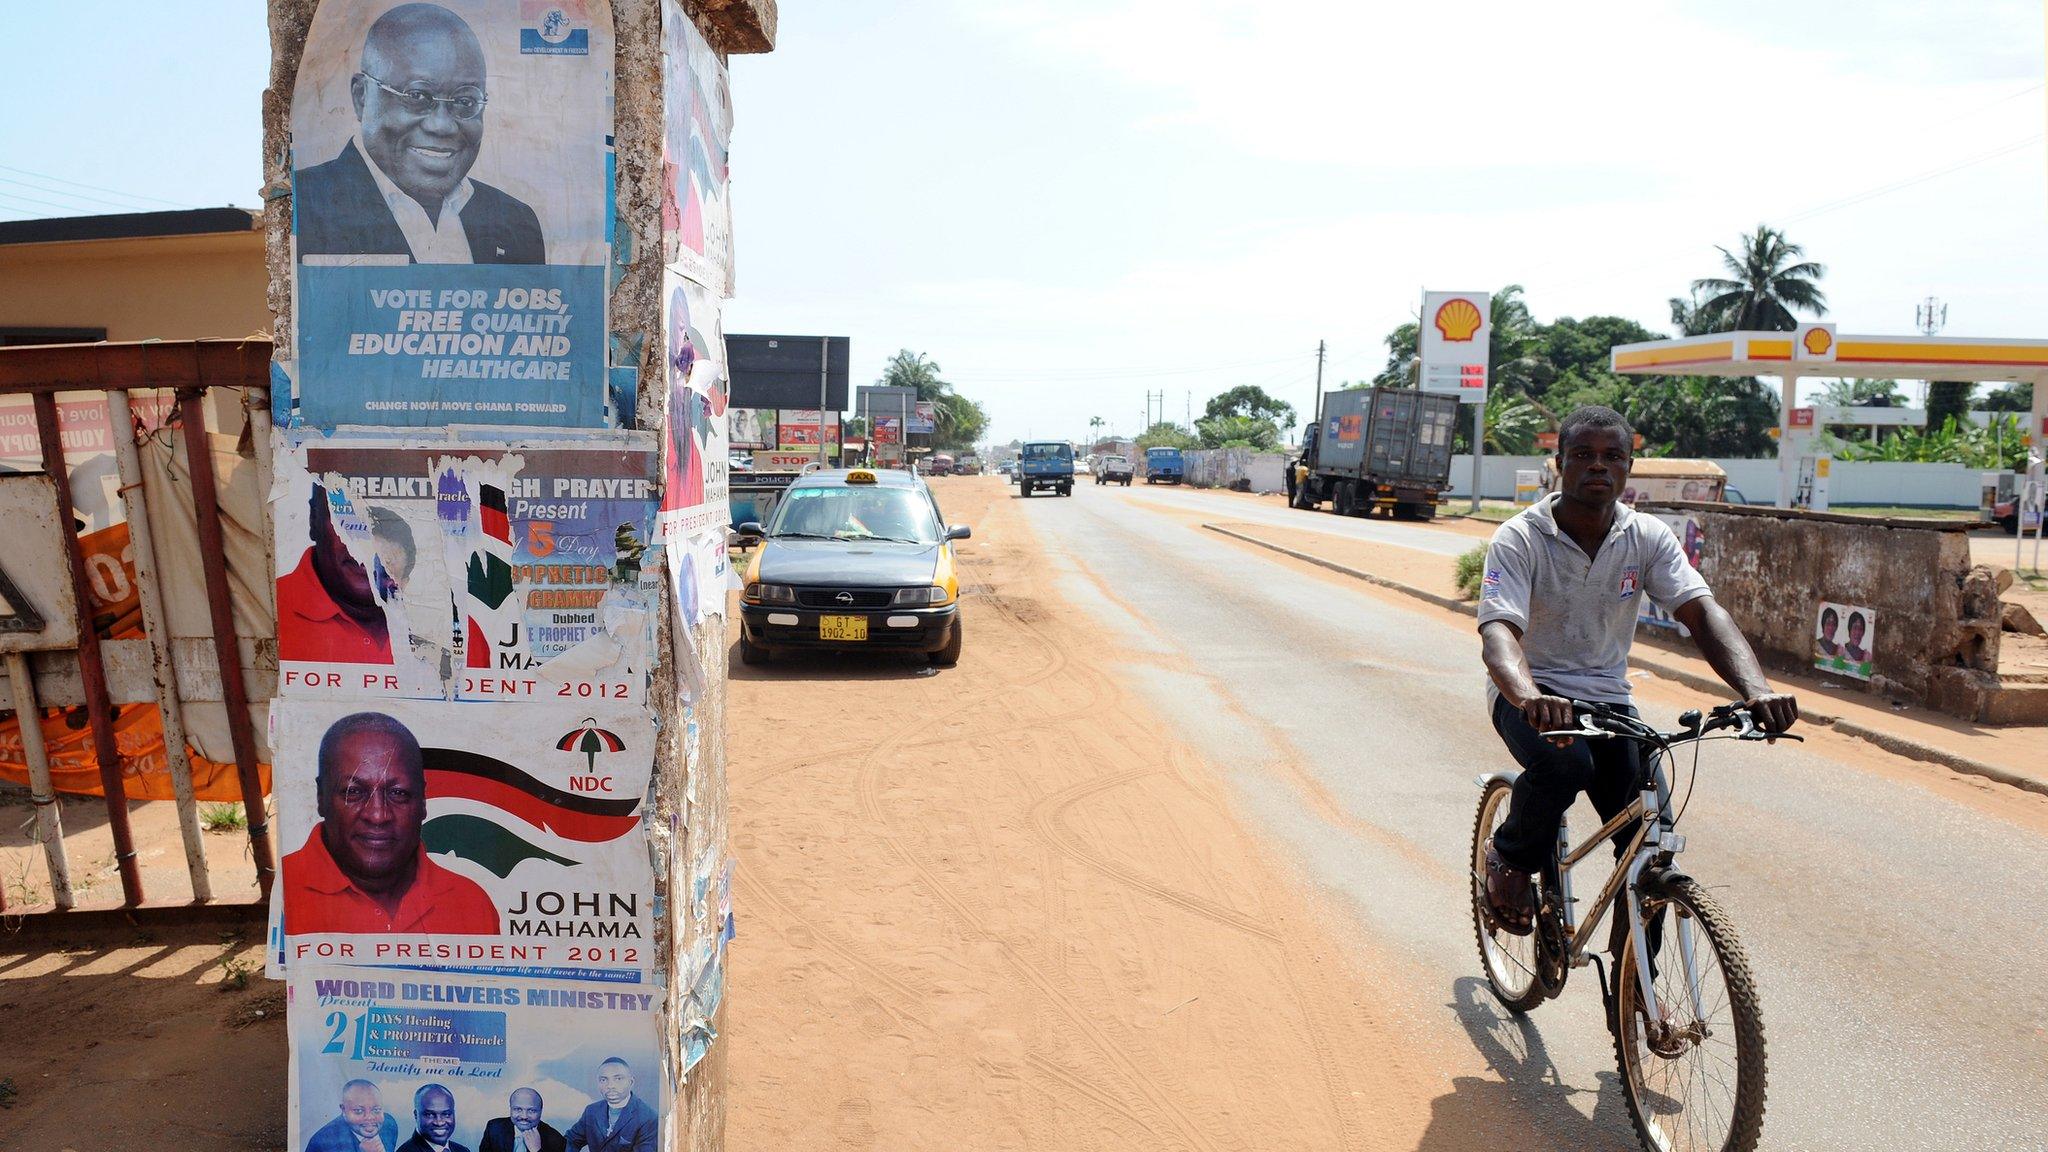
(1815, 350)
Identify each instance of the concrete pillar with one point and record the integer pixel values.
(1789, 441)
(671, 993)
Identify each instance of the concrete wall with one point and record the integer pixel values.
(1900, 485)
(1937, 616)
(1224, 467)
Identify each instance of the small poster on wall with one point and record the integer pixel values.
(1844, 639)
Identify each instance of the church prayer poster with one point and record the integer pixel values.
(473, 837)
(451, 196)
(466, 569)
(696, 197)
(475, 1061)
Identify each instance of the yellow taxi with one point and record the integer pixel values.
(853, 558)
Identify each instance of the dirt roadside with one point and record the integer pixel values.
(1003, 907)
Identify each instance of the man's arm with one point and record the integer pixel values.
(1732, 659)
(1501, 648)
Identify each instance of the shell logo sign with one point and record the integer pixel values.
(1813, 342)
(1458, 319)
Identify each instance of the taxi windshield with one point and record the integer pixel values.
(856, 512)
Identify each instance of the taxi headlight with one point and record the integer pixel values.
(925, 597)
(770, 594)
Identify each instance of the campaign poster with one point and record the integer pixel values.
(466, 836)
(86, 432)
(451, 196)
(696, 451)
(1844, 639)
(388, 1059)
(449, 568)
(751, 427)
(696, 198)
(1692, 540)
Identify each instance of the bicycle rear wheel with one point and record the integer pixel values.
(1694, 1081)
(1508, 960)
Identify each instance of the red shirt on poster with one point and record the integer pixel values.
(311, 626)
(319, 897)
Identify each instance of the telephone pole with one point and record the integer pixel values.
(1315, 405)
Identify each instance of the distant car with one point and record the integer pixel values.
(1113, 470)
(853, 559)
(1163, 465)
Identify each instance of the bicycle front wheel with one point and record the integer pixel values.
(1692, 1069)
(1509, 960)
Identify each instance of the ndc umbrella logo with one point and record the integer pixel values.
(590, 740)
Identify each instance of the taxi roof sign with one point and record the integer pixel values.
(860, 476)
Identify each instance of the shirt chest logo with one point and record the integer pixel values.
(1631, 581)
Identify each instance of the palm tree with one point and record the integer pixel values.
(1763, 286)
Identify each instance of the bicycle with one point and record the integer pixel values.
(1680, 1031)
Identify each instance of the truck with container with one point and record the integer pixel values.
(1164, 466)
(1046, 465)
(1376, 449)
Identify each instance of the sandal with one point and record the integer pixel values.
(1510, 899)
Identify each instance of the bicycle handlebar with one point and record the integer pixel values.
(1598, 721)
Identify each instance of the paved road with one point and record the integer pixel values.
(1896, 927)
(1237, 508)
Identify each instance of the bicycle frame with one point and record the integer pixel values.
(1654, 842)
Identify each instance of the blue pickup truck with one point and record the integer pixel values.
(1162, 464)
(1046, 465)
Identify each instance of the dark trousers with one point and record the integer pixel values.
(1609, 772)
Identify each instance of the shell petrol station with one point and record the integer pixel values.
(1818, 350)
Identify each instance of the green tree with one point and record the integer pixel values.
(1515, 345)
(958, 421)
(1404, 345)
(1237, 432)
(1252, 401)
(1765, 283)
(1947, 400)
(1166, 435)
(2010, 398)
(1861, 393)
(1689, 317)
(1702, 415)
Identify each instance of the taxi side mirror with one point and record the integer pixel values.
(959, 532)
(751, 528)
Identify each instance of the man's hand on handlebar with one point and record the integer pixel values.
(1550, 714)
(1774, 711)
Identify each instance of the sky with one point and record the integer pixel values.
(1072, 203)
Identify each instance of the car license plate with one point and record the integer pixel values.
(842, 627)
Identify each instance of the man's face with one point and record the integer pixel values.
(1594, 465)
(372, 805)
(425, 153)
(525, 1111)
(362, 1111)
(436, 1116)
(340, 572)
(615, 1082)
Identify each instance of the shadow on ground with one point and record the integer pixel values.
(131, 1039)
(1524, 1102)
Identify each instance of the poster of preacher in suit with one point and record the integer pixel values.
(450, 200)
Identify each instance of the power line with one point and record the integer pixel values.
(69, 195)
(32, 200)
(1005, 376)
(94, 187)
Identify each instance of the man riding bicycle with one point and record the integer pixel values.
(1557, 613)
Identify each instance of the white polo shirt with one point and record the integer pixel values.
(1578, 613)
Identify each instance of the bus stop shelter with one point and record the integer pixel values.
(1817, 350)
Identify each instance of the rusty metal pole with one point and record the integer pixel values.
(49, 818)
(227, 646)
(157, 627)
(99, 708)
